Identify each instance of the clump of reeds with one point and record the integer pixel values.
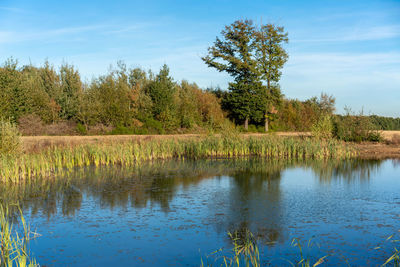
(10, 141)
(14, 247)
(305, 261)
(57, 160)
(244, 252)
(394, 259)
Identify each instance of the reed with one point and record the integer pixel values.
(14, 247)
(244, 252)
(57, 160)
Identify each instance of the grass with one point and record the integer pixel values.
(244, 252)
(14, 247)
(56, 160)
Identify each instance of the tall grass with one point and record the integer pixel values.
(57, 160)
(10, 141)
(244, 252)
(14, 247)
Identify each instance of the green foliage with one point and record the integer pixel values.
(14, 247)
(250, 55)
(356, 128)
(10, 141)
(81, 129)
(245, 101)
(162, 92)
(229, 145)
(121, 130)
(296, 115)
(129, 100)
(244, 252)
(71, 88)
(385, 123)
(323, 128)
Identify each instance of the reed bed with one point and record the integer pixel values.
(57, 160)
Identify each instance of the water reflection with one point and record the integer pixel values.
(164, 202)
(255, 182)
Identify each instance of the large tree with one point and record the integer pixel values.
(251, 55)
(234, 54)
(270, 56)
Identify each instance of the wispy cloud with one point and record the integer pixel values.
(50, 34)
(128, 28)
(13, 9)
(358, 34)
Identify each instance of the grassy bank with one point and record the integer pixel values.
(56, 160)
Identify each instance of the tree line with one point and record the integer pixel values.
(46, 100)
(124, 100)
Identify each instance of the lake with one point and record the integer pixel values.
(175, 213)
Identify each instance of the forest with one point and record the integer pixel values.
(55, 101)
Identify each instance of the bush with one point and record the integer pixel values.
(81, 129)
(355, 128)
(121, 130)
(31, 124)
(323, 128)
(10, 141)
(61, 128)
(153, 126)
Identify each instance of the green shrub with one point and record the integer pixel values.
(121, 130)
(10, 138)
(355, 128)
(153, 126)
(323, 128)
(81, 129)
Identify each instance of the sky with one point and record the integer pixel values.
(348, 49)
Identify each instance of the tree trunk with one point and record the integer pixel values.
(266, 124)
(246, 124)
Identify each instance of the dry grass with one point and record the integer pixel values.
(391, 137)
(38, 143)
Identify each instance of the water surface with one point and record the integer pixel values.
(177, 212)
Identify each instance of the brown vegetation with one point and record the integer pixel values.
(389, 149)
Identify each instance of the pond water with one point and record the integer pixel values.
(179, 212)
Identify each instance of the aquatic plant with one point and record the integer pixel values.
(304, 260)
(244, 252)
(10, 141)
(58, 160)
(14, 247)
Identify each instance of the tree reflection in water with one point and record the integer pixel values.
(254, 184)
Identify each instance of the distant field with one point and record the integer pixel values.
(37, 143)
(389, 135)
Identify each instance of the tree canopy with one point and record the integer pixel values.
(251, 55)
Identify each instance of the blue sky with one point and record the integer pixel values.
(349, 49)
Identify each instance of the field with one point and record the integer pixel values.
(390, 148)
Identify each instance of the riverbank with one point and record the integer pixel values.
(110, 150)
